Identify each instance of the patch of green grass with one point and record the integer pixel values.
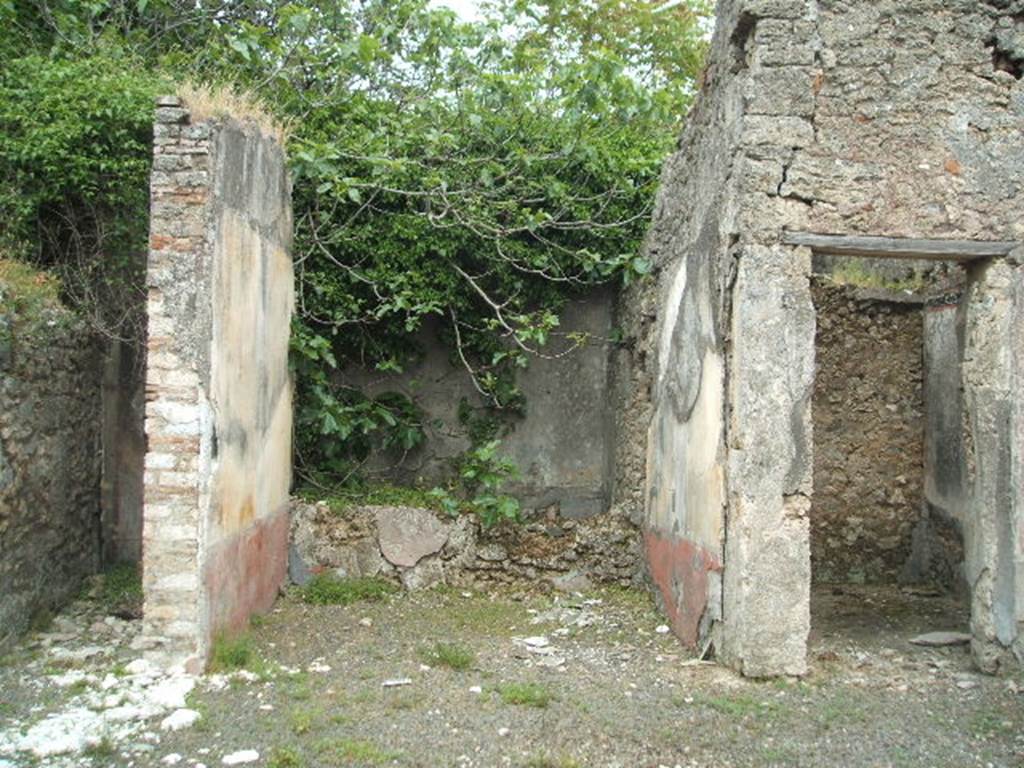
(405, 701)
(989, 722)
(449, 655)
(328, 589)
(839, 712)
(102, 750)
(492, 616)
(547, 761)
(78, 687)
(525, 694)
(120, 591)
(861, 273)
(25, 291)
(739, 705)
(231, 653)
(771, 756)
(298, 687)
(375, 495)
(304, 720)
(285, 757)
(342, 751)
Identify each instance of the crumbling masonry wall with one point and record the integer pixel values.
(49, 464)
(868, 433)
(874, 118)
(218, 413)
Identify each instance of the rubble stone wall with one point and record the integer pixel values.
(875, 117)
(868, 433)
(420, 547)
(218, 411)
(49, 466)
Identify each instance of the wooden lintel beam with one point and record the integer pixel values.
(900, 247)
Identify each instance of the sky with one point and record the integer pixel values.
(467, 9)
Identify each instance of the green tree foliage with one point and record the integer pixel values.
(463, 178)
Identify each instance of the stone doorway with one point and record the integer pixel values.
(912, 481)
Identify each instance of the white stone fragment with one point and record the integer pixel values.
(240, 757)
(398, 681)
(180, 719)
(939, 639)
(172, 759)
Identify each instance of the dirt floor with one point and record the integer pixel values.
(452, 678)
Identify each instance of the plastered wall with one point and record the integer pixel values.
(218, 413)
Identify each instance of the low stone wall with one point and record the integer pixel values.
(868, 433)
(49, 465)
(420, 548)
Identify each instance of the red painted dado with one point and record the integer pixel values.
(245, 571)
(680, 570)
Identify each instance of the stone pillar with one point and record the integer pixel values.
(218, 410)
(994, 437)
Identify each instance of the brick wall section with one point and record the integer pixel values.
(177, 280)
(218, 410)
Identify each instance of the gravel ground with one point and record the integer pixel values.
(519, 679)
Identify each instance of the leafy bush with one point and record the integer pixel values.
(461, 178)
(328, 589)
(75, 147)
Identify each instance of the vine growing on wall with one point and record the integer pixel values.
(468, 177)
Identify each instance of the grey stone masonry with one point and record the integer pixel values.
(875, 118)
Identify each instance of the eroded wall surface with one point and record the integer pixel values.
(868, 433)
(563, 443)
(218, 414)
(49, 465)
(848, 118)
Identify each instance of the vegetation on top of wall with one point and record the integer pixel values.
(478, 173)
(75, 143)
(29, 302)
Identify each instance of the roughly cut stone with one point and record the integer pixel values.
(574, 581)
(940, 639)
(407, 535)
(428, 572)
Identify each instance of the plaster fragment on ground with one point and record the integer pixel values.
(240, 757)
(180, 719)
(940, 639)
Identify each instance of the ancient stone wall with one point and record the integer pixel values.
(49, 464)
(420, 548)
(876, 117)
(562, 445)
(868, 433)
(218, 412)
